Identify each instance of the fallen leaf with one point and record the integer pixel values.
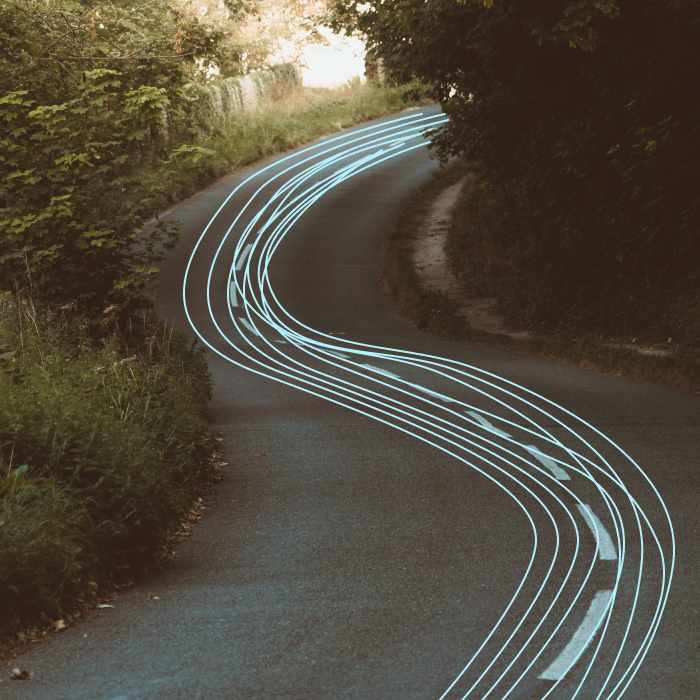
(104, 605)
(59, 625)
(262, 454)
(153, 597)
(20, 675)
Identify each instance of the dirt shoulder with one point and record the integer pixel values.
(420, 283)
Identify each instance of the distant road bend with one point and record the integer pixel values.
(597, 558)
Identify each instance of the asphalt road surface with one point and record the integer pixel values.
(402, 518)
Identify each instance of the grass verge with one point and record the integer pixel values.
(276, 126)
(436, 313)
(104, 442)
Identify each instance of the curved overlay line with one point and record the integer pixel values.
(559, 480)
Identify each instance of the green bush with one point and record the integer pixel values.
(101, 450)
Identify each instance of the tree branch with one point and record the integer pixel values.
(34, 64)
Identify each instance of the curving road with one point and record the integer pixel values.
(403, 517)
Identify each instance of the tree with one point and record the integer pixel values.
(84, 91)
(582, 117)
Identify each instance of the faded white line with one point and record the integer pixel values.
(357, 162)
(381, 371)
(243, 256)
(581, 639)
(232, 294)
(606, 548)
(245, 322)
(553, 467)
(335, 353)
(485, 424)
(432, 393)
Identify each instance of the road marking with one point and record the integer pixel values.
(243, 256)
(556, 470)
(606, 548)
(485, 424)
(337, 354)
(381, 371)
(245, 322)
(357, 162)
(432, 393)
(581, 639)
(553, 467)
(232, 294)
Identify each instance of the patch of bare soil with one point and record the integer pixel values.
(434, 270)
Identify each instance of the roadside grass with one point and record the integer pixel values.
(104, 443)
(436, 313)
(104, 438)
(278, 125)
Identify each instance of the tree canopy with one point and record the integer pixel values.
(582, 116)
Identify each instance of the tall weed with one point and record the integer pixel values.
(102, 445)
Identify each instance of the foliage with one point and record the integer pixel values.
(45, 47)
(583, 119)
(82, 146)
(74, 199)
(216, 105)
(101, 450)
(275, 126)
(437, 314)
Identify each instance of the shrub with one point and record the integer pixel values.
(102, 447)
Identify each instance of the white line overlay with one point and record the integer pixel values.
(378, 370)
(440, 422)
(581, 639)
(606, 548)
(247, 324)
(434, 394)
(485, 424)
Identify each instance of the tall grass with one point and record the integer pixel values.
(104, 438)
(103, 443)
(278, 125)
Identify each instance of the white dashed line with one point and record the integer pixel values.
(245, 322)
(442, 397)
(606, 548)
(485, 424)
(243, 256)
(357, 162)
(553, 467)
(335, 353)
(381, 371)
(581, 639)
(232, 294)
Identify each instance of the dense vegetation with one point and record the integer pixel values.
(581, 121)
(82, 160)
(102, 447)
(108, 113)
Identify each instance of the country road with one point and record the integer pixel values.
(402, 518)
